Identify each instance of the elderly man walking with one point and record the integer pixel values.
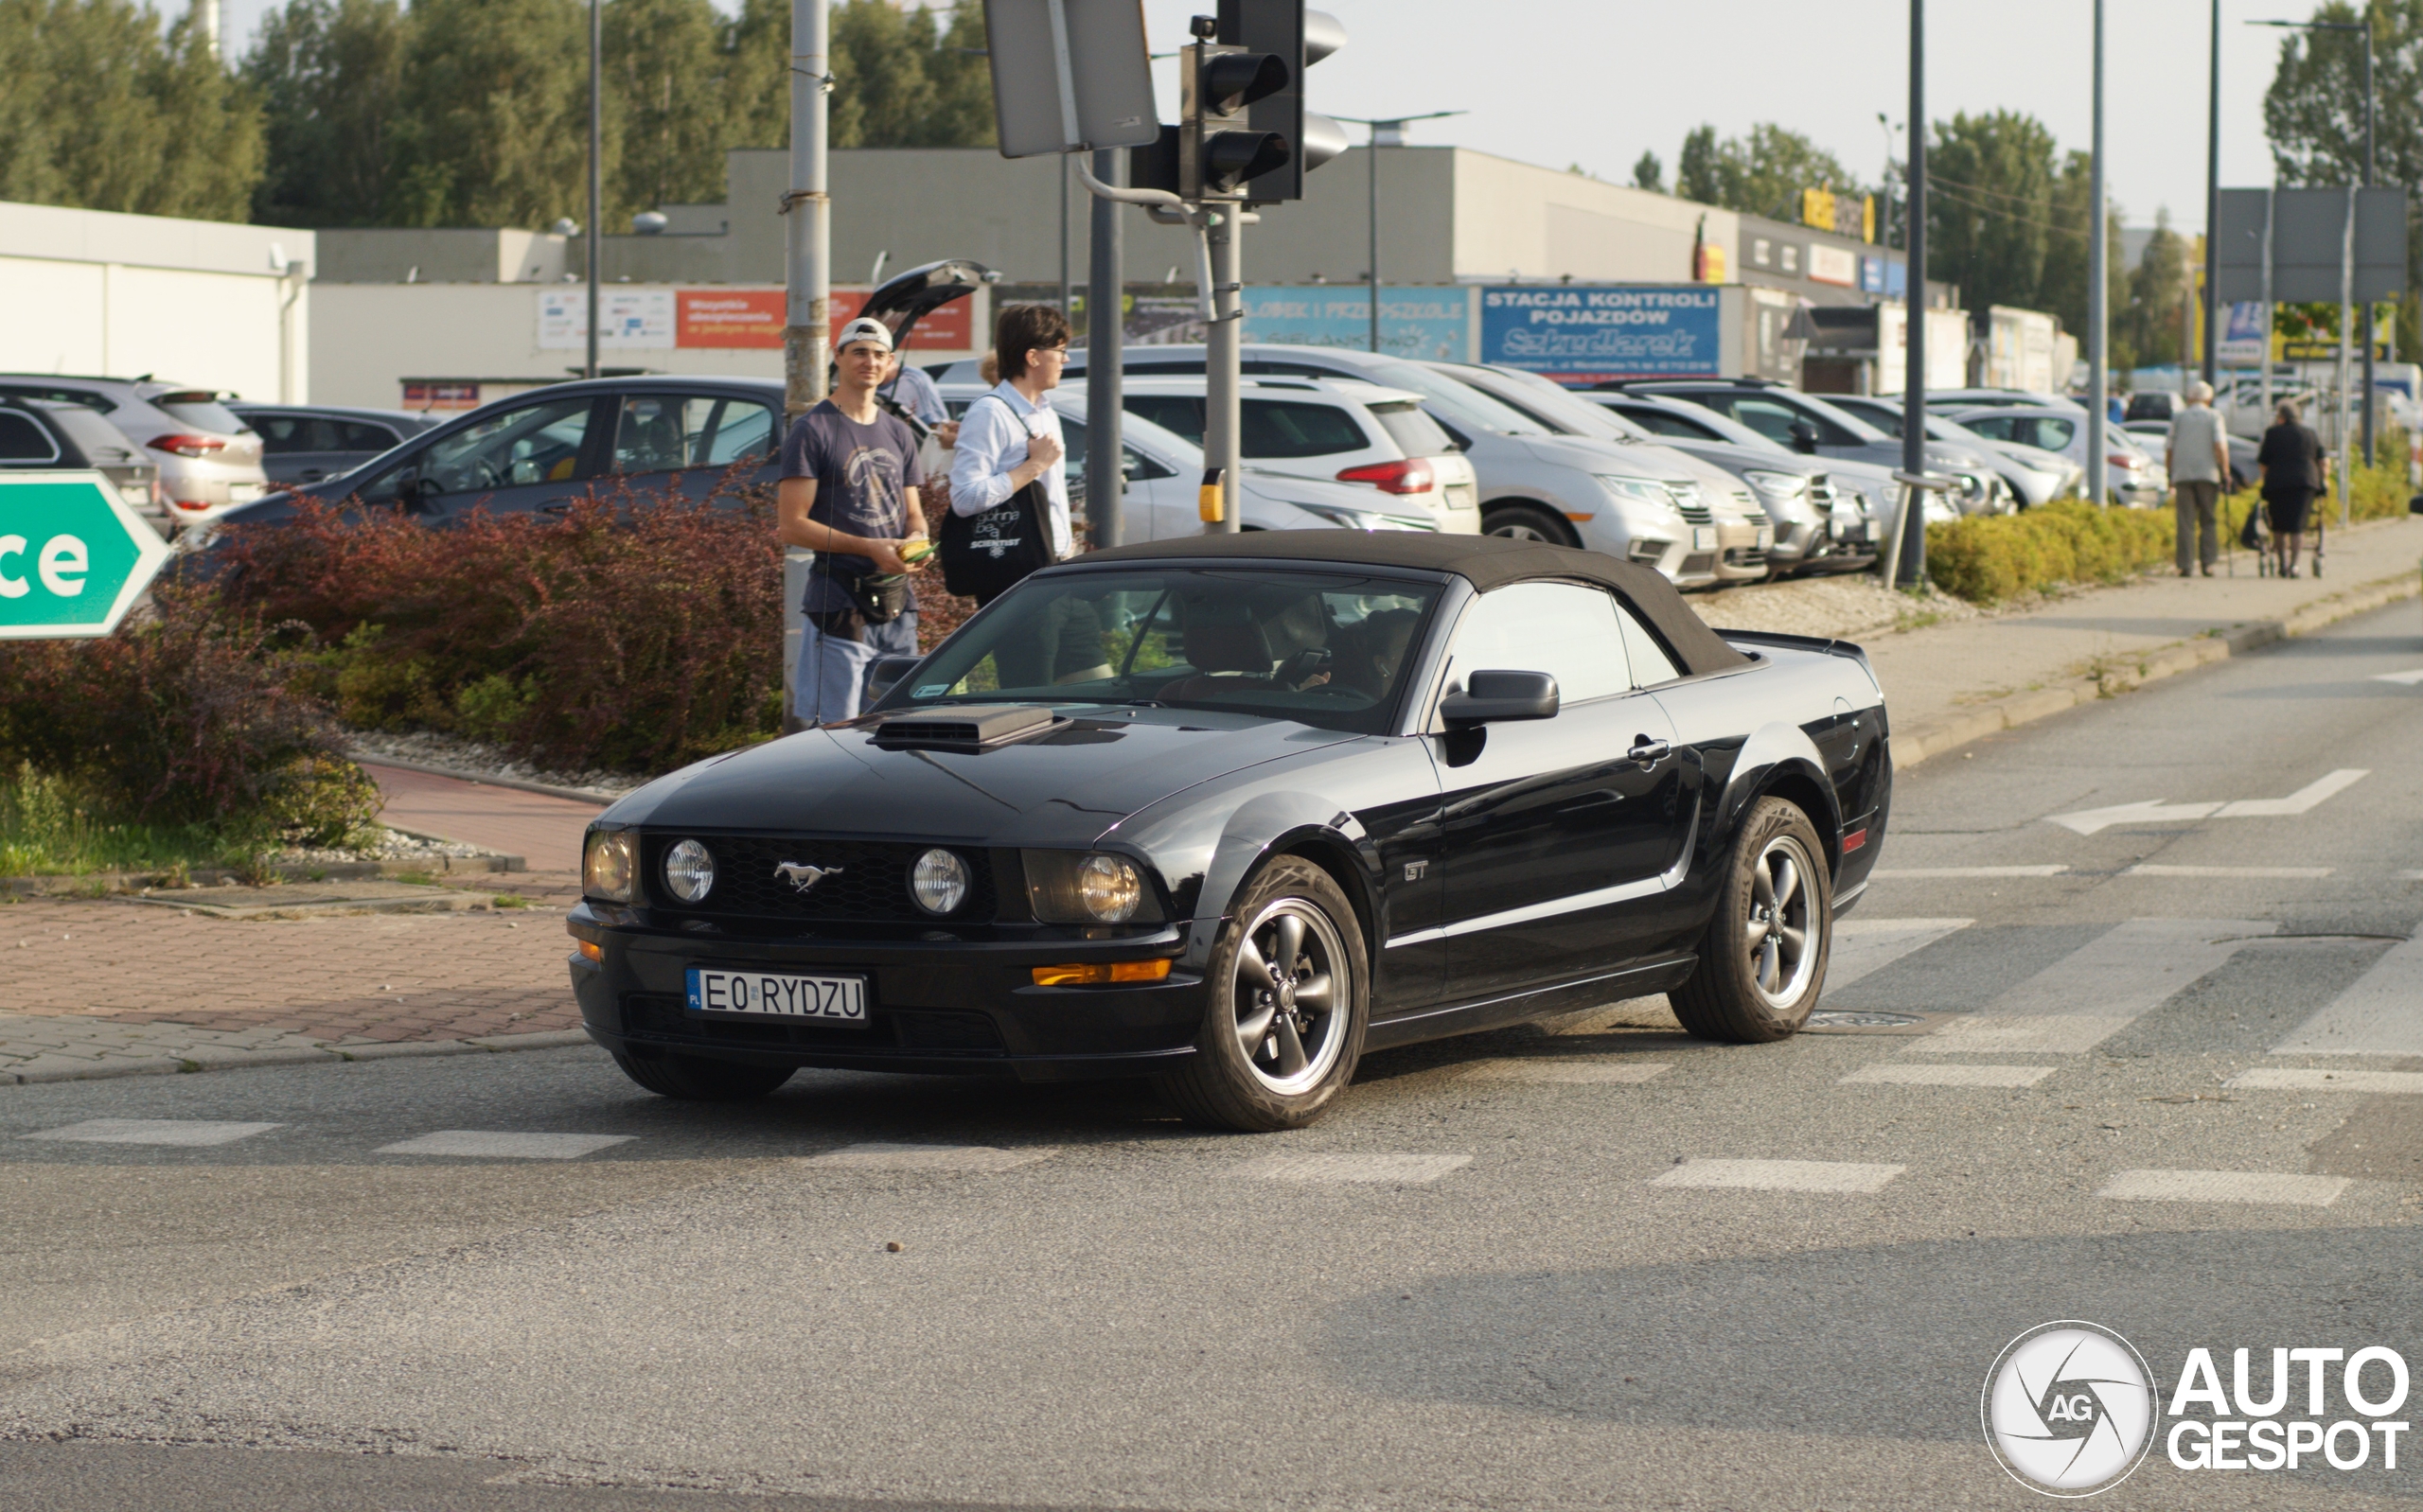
(2197, 457)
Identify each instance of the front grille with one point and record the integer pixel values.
(1696, 564)
(1821, 493)
(1744, 556)
(866, 881)
(1688, 499)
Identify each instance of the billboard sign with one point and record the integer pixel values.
(2242, 334)
(1578, 334)
(1433, 324)
(729, 319)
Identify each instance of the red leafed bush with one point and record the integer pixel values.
(632, 633)
(187, 715)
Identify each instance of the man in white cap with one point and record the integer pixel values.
(2198, 456)
(849, 494)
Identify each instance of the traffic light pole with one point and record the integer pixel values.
(1223, 339)
(1106, 454)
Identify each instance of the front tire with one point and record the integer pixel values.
(1290, 997)
(1762, 962)
(1529, 522)
(698, 1079)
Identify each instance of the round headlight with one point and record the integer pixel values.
(1109, 887)
(689, 871)
(938, 882)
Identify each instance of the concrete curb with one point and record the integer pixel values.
(1929, 738)
(214, 1058)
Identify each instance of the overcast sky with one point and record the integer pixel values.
(1595, 81)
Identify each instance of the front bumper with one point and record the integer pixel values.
(948, 1006)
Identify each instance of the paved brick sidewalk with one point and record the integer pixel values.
(98, 987)
(543, 831)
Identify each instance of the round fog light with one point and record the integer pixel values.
(1109, 887)
(689, 871)
(939, 882)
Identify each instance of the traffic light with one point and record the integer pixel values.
(1298, 38)
(1218, 148)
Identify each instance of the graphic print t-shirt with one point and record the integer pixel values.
(862, 472)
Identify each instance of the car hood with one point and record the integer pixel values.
(1098, 765)
(1635, 459)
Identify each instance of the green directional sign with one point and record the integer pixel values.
(73, 556)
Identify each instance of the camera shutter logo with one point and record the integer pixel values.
(2070, 1409)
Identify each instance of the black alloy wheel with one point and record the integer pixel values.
(1290, 1000)
(1762, 962)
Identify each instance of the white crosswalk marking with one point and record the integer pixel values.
(2380, 1012)
(495, 1144)
(1864, 945)
(1780, 1175)
(2410, 678)
(2147, 868)
(2302, 1079)
(2224, 1186)
(187, 1133)
(1413, 1170)
(1579, 1069)
(1901, 872)
(880, 1156)
(2096, 991)
(1949, 1075)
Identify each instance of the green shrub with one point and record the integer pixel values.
(631, 633)
(185, 720)
(1992, 558)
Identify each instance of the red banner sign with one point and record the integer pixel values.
(753, 318)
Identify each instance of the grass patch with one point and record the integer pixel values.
(47, 830)
(510, 900)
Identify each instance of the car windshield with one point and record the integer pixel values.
(1326, 649)
(1556, 409)
(1726, 427)
(200, 409)
(1459, 402)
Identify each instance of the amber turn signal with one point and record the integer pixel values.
(1102, 972)
(590, 950)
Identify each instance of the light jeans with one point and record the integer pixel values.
(833, 669)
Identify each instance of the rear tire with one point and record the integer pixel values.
(697, 1078)
(1762, 962)
(1289, 1001)
(1529, 522)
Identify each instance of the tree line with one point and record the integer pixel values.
(452, 113)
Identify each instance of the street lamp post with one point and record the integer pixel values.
(2212, 213)
(596, 167)
(2098, 295)
(1910, 555)
(1385, 131)
(2365, 27)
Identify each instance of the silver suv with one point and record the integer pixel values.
(209, 461)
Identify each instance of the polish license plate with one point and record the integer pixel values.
(1766, 537)
(1703, 538)
(778, 994)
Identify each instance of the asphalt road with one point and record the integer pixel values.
(1510, 1271)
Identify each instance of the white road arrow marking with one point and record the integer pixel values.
(2410, 678)
(2154, 811)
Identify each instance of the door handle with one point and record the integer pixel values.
(1647, 751)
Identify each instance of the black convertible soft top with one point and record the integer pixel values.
(1485, 561)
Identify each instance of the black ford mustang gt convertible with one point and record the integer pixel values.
(1228, 812)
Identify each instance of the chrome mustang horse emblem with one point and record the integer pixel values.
(803, 876)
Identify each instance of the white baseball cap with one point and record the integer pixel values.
(863, 329)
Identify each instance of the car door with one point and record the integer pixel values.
(659, 447)
(1550, 828)
(1153, 488)
(518, 461)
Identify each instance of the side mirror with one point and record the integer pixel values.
(1491, 697)
(1804, 437)
(886, 675)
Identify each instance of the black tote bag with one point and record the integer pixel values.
(984, 555)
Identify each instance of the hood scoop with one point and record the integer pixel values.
(974, 727)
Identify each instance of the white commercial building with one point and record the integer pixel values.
(208, 303)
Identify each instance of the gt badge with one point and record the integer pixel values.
(803, 876)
